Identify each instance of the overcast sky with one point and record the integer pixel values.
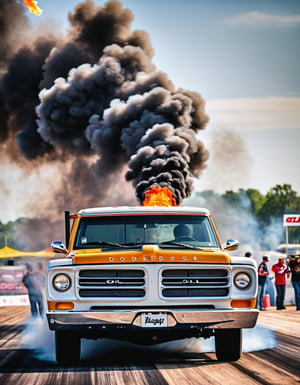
(243, 57)
(222, 48)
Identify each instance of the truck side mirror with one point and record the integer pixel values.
(231, 244)
(59, 247)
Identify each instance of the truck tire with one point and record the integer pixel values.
(228, 344)
(67, 348)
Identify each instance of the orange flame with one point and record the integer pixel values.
(159, 196)
(33, 7)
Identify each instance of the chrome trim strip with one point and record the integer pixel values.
(220, 319)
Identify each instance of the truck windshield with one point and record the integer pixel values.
(135, 231)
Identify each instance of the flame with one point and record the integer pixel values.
(159, 196)
(33, 7)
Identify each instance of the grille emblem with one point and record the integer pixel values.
(113, 282)
(191, 281)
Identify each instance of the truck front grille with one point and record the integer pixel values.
(178, 283)
(100, 283)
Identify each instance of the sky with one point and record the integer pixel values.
(243, 57)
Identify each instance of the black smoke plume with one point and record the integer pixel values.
(93, 103)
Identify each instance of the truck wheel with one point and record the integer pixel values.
(67, 348)
(228, 344)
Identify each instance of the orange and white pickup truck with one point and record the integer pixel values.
(148, 275)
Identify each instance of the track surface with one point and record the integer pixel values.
(273, 357)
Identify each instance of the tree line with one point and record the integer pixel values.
(279, 200)
(249, 204)
(250, 211)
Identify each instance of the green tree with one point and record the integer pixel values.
(281, 199)
(6, 234)
(257, 200)
(239, 200)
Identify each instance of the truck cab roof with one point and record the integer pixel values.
(132, 210)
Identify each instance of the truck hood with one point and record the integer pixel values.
(149, 254)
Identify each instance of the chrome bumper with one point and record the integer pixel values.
(216, 319)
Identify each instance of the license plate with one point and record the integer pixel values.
(154, 320)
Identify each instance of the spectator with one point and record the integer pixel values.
(294, 268)
(33, 285)
(280, 269)
(263, 273)
(248, 254)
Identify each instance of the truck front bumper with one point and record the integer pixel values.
(127, 319)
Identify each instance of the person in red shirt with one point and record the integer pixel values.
(280, 269)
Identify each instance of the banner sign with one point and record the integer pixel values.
(14, 300)
(11, 280)
(291, 220)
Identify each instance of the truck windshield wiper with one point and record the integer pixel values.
(119, 245)
(114, 244)
(179, 244)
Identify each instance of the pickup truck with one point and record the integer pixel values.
(148, 275)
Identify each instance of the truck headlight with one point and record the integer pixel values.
(61, 282)
(242, 280)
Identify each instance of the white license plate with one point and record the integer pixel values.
(154, 320)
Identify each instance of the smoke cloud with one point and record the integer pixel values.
(37, 337)
(92, 104)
